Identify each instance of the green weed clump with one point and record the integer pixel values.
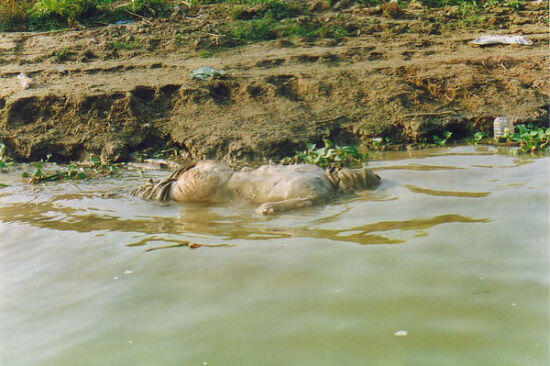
(529, 139)
(14, 12)
(70, 10)
(442, 141)
(55, 14)
(329, 155)
(123, 45)
(62, 54)
(93, 169)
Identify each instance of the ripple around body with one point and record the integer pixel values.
(461, 266)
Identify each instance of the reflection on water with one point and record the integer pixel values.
(434, 192)
(418, 167)
(88, 278)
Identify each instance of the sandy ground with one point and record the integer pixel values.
(405, 79)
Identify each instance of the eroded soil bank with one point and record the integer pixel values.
(118, 89)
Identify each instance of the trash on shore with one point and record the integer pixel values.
(206, 73)
(492, 39)
(501, 126)
(121, 22)
(26, 81)
(400, 333)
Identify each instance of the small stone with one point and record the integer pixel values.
(400, 333)
(60, 69)
(25, 81)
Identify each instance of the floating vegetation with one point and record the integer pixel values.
(79, 171)
(329, 155)
(529, 139)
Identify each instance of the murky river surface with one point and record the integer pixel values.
(452, 248)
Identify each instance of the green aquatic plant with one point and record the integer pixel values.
(92, 169)
(442, 141)
(330, 154)
(4, 163)
(478, 136)
(529, 139)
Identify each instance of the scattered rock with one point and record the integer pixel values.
(26, 81)
(492, 40)
(60, 69)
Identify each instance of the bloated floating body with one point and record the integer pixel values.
(277, 188)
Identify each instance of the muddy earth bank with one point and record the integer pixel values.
(118, 89)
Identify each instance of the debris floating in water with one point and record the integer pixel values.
(188, 245)
(128, 272)
(492, 39)
(400, 333)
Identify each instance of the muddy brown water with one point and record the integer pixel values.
(452, 248)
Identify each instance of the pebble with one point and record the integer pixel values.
(400, 333)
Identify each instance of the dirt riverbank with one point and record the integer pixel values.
(117, 89)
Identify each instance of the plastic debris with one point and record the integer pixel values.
(121, 22)
(491, 40)
(502, 125)
(400, 333)
(26, 81)
(206, 73)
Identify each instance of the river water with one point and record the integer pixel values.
(452, 248)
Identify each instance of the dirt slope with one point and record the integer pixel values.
(405, 79)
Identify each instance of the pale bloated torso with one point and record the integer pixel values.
(272, 183)
(277, 188)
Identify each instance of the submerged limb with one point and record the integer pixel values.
(270, 208)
